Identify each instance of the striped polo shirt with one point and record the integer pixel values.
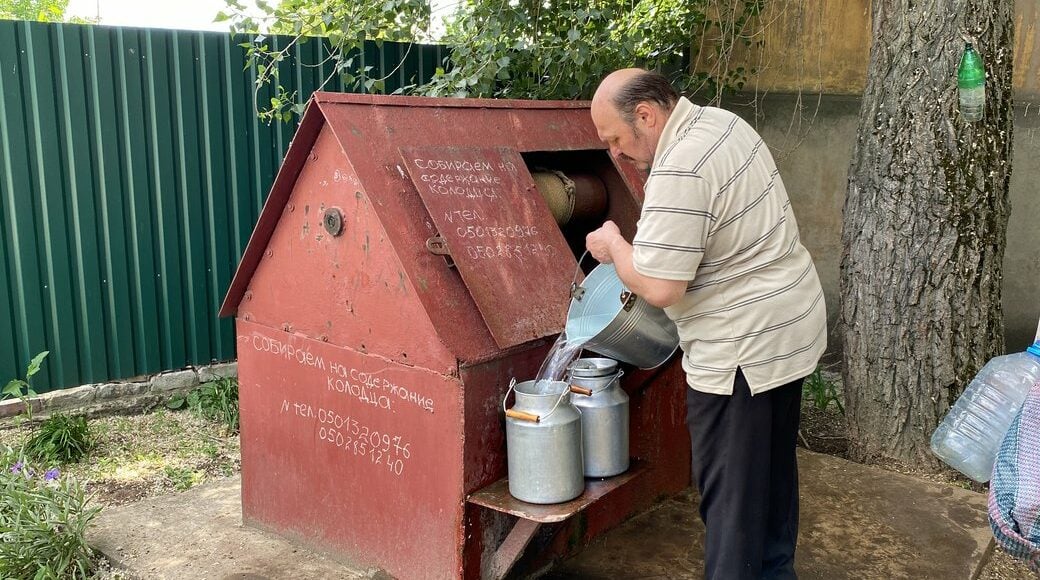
(717, 215)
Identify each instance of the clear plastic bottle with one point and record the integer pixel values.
(971, 85)
(969, 436)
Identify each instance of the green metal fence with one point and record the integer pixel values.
(132, 171)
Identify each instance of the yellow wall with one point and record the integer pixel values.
(1027, 50)
(814, 45)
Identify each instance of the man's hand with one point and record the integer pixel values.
(607, 246)
(600, 242)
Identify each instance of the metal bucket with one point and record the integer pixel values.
(618, 324)
(604, 416)
(543, 443)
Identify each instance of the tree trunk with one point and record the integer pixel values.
(924, 224)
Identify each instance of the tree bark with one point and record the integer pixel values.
(924, 224)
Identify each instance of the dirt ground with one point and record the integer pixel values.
(824, 431)
(165, 452)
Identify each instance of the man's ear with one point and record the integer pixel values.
(646, 113)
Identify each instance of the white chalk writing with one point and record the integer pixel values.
(453, 165)
(488, 230)
(461, 215)
(517, 252)
(364, 386)
(462, 178)
(368, 387)
(287, 351)
(514, 231)
(344, 432)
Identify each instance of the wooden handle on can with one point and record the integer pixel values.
(521, 416)
(581, 390)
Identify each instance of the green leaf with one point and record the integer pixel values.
(176, 403)
(14, 388)
(34, 364)
(221, 17)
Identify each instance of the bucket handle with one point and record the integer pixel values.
(578, 292)
(531, 417)
(627, 298)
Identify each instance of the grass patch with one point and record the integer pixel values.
(145, 455)
(216, 401)
(60, 439)
(821, 392)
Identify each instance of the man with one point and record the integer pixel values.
(717, 247)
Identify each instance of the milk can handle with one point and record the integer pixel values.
(589, 393)
(512, 383)
(521, 416)
(529, 416)
(518, 415)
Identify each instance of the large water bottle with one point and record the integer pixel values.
(968, 438)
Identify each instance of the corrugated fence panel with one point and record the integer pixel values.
(132, 171)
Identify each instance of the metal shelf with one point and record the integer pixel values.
(496, 496)
(531, 516)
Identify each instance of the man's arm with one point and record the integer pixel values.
(607, 246)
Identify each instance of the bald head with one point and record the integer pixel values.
(624, 89)
(630, 110)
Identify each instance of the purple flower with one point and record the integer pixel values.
(51, 474)
(17, 467)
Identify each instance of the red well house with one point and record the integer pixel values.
(414, 255)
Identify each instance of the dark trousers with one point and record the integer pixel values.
(745, 468)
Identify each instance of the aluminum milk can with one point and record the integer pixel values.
(543, 443)
(604, 416)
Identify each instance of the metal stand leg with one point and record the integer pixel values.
(512, 547)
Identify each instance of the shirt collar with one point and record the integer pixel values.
(682, 110)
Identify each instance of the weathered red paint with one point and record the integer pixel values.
(352, 452)
(499, 230)
(373, 303)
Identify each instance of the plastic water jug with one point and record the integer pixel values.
(970, 434)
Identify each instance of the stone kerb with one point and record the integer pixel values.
(120, 397)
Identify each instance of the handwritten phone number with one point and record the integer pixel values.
(347, 434)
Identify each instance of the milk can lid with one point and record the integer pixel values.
(593, 367)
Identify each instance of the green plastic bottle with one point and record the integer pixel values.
(971, 82)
